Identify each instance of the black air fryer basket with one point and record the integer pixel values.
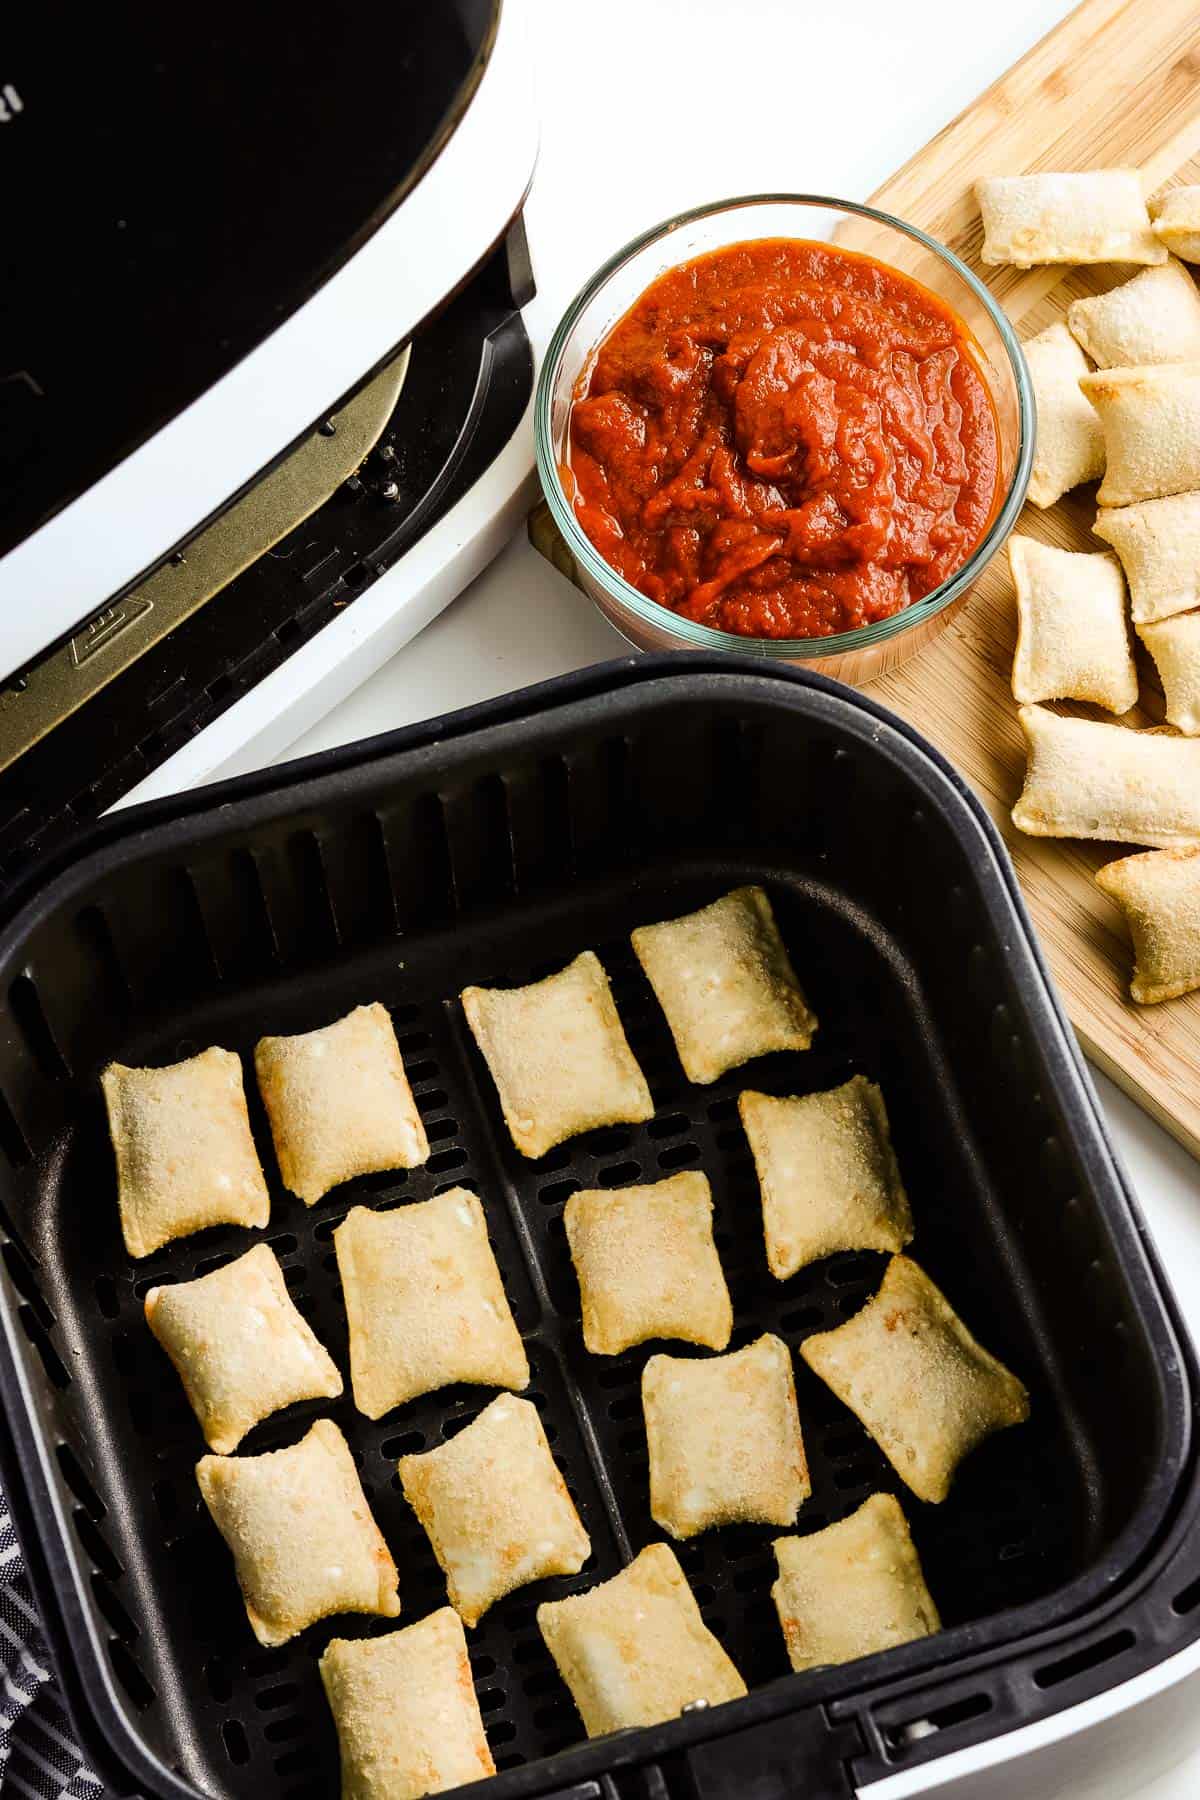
(492, 847)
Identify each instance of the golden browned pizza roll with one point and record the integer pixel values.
(495, 1507)
(827, 1173)
(1159, 894)
(239, 1346)
(1098, 216)
(339, 1103)
(1069, 448)
(301, 1532)
(1151, 422)
(425, 1302)
(1158, 542)
(1175, 646)
(558, 1055)
(1089, 779)
(907, 1366)
(647, 1264)
(726, 984)
(407, 1719)
(723, 1434)
(1155, 318)
(185, 1156)
(1072, 635)
(1176, 216)
(853, 1589)
(634, 1650)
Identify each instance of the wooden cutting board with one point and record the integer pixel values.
(1117, 83)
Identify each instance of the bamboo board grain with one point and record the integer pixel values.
(1117, 83)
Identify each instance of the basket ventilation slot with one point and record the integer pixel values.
(77, 1481)
(903, 1735)
(95, 934)
(129, 1674)
(1069, 1667)
(246, 882)
(13, 1142)
(35, 1331)
(34, 1026)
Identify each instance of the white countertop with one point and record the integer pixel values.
(618, 154)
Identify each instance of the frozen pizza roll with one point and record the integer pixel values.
(1086, 778)
(558, 1055)
(408, 1722)
(1176, 221)
(301, 1532)
(1069, 448)
(724, 1439)
(425, 1302)
(339, 1103)
(726, 984)
(1072, 636)
(827, 1173)
(239, 1346)
(1151, 423)
(1158, 542)
(853, 1589)
(1175, 646)
(1155, 318)
(495, 1507)
(910, 1370)
(634, 1650)
(1097, 216)
(647, 1264)
(185, 1156)
(1159, 895)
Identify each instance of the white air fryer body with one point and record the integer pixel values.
(1117, 1742)
(188, 471)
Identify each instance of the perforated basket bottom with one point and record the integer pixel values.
(237, 1719)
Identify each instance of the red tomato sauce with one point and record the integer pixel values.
(783, 439)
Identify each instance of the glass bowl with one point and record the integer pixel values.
(854, 656)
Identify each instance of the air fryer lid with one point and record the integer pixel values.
(176, 183)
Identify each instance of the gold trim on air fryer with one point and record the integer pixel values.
(62, 682)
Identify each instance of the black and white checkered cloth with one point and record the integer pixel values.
(38, 1758)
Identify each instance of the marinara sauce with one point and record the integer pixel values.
(783, 439)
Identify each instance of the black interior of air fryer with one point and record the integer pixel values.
(494, 857)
